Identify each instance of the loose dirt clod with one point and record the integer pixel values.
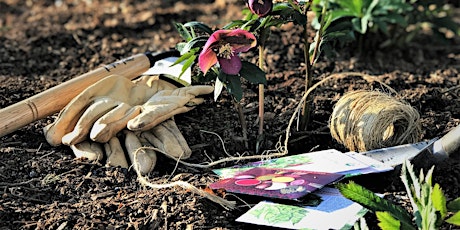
(365, 120)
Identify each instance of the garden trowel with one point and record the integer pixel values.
(431, 151)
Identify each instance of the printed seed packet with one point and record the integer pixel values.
(276, 183)
(326, 161)
(334, 212)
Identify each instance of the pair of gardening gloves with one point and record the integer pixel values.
(112, 119)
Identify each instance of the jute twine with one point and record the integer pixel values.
(365, 120)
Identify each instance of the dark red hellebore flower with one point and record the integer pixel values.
(260, 7)
(223, 46)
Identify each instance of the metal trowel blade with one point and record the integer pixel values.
(396, 155)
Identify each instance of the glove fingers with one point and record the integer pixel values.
(94, 112)
(115, 154)
(167, 137)
(90, 150)
(194, 102)
(55, 131)
(193, 91)
(71, 113)
(165, 104)
(149, 119)
(113, 122)
(145, 158)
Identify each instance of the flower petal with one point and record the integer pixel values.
(240, 40)
(231, 66)
(214, 38)
(207, 59)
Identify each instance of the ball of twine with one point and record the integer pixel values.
(365, 120)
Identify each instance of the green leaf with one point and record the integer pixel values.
(180, 46)
(234, 24)
(200, 26)
(387, 221)
(184, 57)
(439, 201)
(197, 42)
(339, 14)
(288, 13)
(233, 84)
(382, 25)
(411, 183)
(455, 219)
(183, 32)
(370, 8)
(189, 62)
(357, 25)
(395, 19)
(371, 201)
(354, 6)
(454, 206)
(251, 25)
(280, 6)
(276, 22)
(253, 73)
(295, 6)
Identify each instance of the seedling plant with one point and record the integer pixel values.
(429, 207)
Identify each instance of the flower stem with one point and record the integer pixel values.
(244, 126)
(306, 108)
(261, 93)
(309, 62)
(260, 138)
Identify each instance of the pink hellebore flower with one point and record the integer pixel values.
(260, 7)
(224, 46)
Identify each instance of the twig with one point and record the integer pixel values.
(18, 183)
(27, 198)
(47, 154)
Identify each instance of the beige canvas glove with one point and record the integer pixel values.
(113, 95)
(165, 137)
(168, 138)
(89, 124)
(106, 107)
(167, 103)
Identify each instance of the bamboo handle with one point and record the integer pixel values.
(54, 99)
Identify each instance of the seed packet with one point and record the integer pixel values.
(276, 183)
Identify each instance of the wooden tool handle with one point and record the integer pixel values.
(54, 99)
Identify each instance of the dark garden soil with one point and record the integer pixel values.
(46, 42)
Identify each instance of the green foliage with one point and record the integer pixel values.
(420, 192)
(381, 22)
(429, 205)
(196, 35)
(371, 201)
(249, 71)
(387, 221)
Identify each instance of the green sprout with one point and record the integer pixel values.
(429, 206)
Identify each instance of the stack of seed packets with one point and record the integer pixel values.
(276, 183)
(293, 177)
(325, 161)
